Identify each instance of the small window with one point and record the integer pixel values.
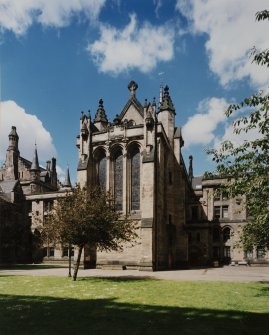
(170, 219)
(225, 212)
(65, 252)
(216, 212)
(227, 252)
(45, 252)
(226, 234)
(260, 252)
(51, 252)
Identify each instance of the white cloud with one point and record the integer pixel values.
(133, 47)
(201, 127)
(30, 130)
(18, 15)
(232, 31)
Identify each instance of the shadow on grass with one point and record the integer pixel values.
(31, 266)
(120, 278)
(45, 315)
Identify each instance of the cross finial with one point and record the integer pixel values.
(132, 88)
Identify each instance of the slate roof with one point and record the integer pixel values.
(8, 186)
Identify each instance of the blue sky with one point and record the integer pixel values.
(59, 57)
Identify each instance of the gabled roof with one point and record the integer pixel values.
(132, 101)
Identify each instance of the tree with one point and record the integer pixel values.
(246, 166)
(88, 217)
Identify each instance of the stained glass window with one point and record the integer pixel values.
(102, 172)
(135, 179)
(118, 179)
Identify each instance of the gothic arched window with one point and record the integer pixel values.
(226, 234)
(118, 179)
(101, 168)
(135, 179)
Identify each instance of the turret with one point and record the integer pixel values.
(53, 172)
(100, 120)
(149, 130)
(12, 155)
(166, 115)
(84, 147)
(67, 181)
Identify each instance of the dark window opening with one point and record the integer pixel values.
(118, 180)
(135, 180)
(226, 234)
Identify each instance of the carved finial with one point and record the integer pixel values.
(100, 115)
(132, 88)
(146, 103)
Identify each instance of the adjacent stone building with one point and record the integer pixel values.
(23, 184)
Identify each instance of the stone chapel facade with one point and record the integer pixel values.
(138, 158)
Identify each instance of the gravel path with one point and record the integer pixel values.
(227, 273)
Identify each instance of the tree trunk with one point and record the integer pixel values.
(69, 260)
(78, 262)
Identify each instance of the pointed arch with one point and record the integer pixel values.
(134, 173)
(100, 167)
(117, 159)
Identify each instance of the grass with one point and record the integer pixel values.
(54, 305)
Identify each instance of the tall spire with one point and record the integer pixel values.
(161, 95)
(35, 163)
(67, 181)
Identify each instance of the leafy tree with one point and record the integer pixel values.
(88, 217)
(246, 166)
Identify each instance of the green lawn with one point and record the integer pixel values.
(51, 305)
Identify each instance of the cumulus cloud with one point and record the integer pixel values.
(18, 16)
(201, 127)
(133, 47)
(232, 31)
(30, 130)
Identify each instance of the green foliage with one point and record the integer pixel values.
(246, 166)
(88, 217)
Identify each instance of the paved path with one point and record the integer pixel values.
(227, 273)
